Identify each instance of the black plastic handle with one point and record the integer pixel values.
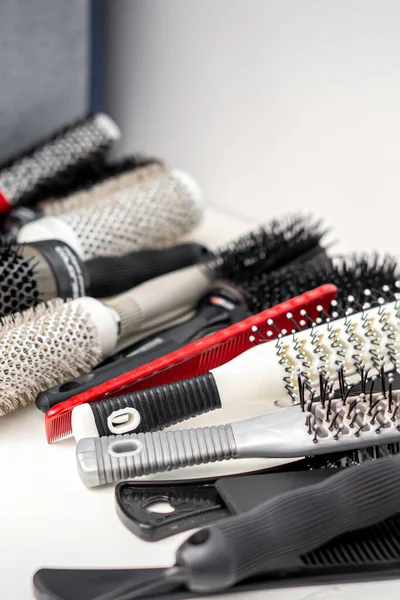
(277, 532)
(111, 275)
(160, 406)
(210, 318)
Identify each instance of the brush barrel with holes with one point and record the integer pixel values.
(94, 181)
(65, 152)
(40, 271)
(154, 214)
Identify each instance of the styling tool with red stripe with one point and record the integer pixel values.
(196, 358)
(84, 141)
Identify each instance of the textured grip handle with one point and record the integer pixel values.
(112, 459)
(278, 531)
(161, 406)
(110, 275)
(159, 301)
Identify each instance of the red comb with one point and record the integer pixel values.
(195, 358)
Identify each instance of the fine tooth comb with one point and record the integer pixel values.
(201, 355)
(37, 272)
(264, 373)
(360, 345)
(23, 176)
(326, 531)
(346, 273)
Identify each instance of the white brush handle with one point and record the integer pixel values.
(261, 374)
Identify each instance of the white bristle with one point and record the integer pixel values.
(43, 347)
(155, 215)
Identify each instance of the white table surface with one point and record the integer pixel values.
(48, 518)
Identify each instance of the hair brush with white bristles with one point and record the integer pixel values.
(329, 357)
(155, 214)
(24, 176)
(92, 183)
(152, 306)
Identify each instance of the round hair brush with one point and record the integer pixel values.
(152, 306)
(37, 272)
(92, 183)
(69, 149)
(356, 276)
(156, 215)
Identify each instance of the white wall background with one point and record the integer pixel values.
(273, 105)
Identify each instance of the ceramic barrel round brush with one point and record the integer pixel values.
(266, 374)
(94, 182)
(37, 272)
(66, 151)
(156, 215)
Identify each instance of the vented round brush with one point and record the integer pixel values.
(154, 215)
(88, 186)
(69, 149)
(150, 307)
(355, 276)
(37, 272)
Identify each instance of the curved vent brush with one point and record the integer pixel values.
(37, 272)
(198, 357)
(153, 215)
(330, 356)
(22, 177)
(92, 183)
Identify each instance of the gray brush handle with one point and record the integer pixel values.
(276, 533)
(112, 459)
(154, 304)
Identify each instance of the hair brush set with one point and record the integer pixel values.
(118, 326)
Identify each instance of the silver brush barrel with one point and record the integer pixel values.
(112, 459)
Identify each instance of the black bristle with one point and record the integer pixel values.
(268, 249)
(353, 276)
(18, 286)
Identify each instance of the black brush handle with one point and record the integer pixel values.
(277, 532)
(210, 317)
(111, 275)
(65, 391)
(161, 406)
